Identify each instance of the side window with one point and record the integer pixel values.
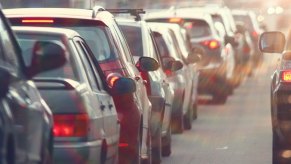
(7, 49)
(92, 71)
(124, 44)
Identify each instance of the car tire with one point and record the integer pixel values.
(167, 143)
(195, 112)
(10, 151)
(177, 123)
(47, 151)
(276, 149)
(219, 99)
(156, 150)
(188, 118)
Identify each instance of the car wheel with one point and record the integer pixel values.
(219, 99)
(177, 123)
(195, 113)
(167, 143)
(156, 151)
(47, 151)
(10, 151)
(188, 118)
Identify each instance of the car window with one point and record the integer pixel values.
(27, 41)
(134, 39)
(197, 28)
(98, 41)
(7, 49)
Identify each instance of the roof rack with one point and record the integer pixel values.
(133, 12)
(96, 9)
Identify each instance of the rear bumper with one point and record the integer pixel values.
(212, 81)
(75, 153)
(281, 113)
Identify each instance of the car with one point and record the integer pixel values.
(100, 30)
(88, 121)
(249, 19)
(275, 42)
(26, 119)
(182, 111)
(218, 63)
(140, 41)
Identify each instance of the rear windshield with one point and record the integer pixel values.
(246, 20)
(27, 41)
(96, 34)
(134, 39)
(197, 28)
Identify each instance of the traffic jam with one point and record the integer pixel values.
(105, 85)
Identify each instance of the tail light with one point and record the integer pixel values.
(37, 21)
(168, 72)
(145, 77)
(286, 76)
(211, 44)
(111, 78)
(70, 125)
(255, 34)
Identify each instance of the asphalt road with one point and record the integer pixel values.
(238, 132)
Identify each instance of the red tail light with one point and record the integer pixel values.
(255, 34)
(168, 72)
(211, 44)
(37, 21)
(286, 76)
(145, 77)
(123, 145)
(70, 125)
(112, 77)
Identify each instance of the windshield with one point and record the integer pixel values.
(27, 41)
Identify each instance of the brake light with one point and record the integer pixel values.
(286, 76)
(70, 125)
(37, 21)
(168, 72)
(112, 78)
(145, 77)
(255, 34)
(175, 20)
(211, 44)
(122, 145)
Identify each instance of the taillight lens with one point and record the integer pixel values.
(211, 44)
(168, 72)
(145, 77)
(255, 34)
(70, 125)
(112, 78)
(286, 76)
(37, 21)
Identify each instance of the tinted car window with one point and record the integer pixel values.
(27, 41)
(133, 37)
(197, 28)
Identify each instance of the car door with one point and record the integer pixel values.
(23, 99)
(110, 121)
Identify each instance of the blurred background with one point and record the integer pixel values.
(273, 14)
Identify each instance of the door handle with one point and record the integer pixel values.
(137, 78)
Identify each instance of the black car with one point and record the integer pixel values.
(26, 120)
(274, 42)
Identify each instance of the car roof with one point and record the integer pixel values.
(58, 13)
(46, 30)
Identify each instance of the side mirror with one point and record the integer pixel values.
(230, 40)
(47, 55)
(272, 42)
(196, 54)
(5, 77)
(147, 64)
(123, 85)
(176, 65)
